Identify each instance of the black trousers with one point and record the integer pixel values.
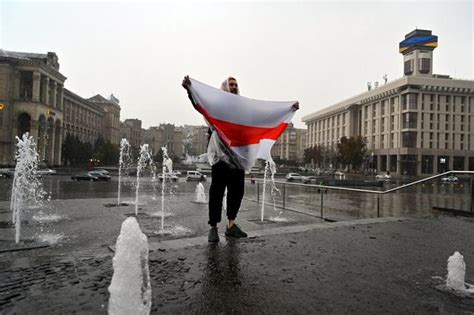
(234, 179)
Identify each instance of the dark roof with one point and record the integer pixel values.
(21, 55)
(85, 101)
(99, 99)
(418, 32)
(102, 101)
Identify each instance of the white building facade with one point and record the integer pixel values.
(422, 123)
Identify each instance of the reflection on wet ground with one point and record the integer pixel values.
(342, 205)
(338, 205)
(275, 275)
(222, 287)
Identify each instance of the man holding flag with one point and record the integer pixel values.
(242, 130)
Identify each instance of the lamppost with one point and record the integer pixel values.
(443, 162)
(372, 163)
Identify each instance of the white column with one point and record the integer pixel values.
(16, 85)
(36, 86)
(57, 146)
(53, 103)
(34, 130)
(46, 90)
(61, 97)
(51, 145)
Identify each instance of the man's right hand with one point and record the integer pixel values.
(186, 82)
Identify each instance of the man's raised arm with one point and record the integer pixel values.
(186, 84)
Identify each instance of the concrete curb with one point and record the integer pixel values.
(202, 240)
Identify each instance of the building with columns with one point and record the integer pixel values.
(33, 99)
(165, 135)
(82, 118)
(31, 94)
(418, 124)
(111, 118)
(195, 139)
(131, 129)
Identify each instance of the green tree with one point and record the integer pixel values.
(351, 151)
(314, 155)
(67, 150)
(106, 152)
(99, 142)
(75, 152)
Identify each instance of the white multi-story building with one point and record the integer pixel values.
(421, 123)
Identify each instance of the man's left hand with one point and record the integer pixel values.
(296, 106)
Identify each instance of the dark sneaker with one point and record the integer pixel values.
(213, 235)
(235, 231)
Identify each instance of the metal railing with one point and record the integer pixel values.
(378, 193)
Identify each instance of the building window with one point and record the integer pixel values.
(424, 65)
(409, 101)
(410, 120)
(409, 139)
(409, 67)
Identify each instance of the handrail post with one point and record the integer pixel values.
(322, 203)
(378, 205)
(258, 192)
(472, 194)
(284, 195)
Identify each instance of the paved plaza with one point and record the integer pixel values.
(297, 265)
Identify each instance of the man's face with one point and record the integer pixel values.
(233, 87)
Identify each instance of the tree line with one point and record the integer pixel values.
(349, 153)
(75, 152)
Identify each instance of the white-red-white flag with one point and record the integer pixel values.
(248, 127)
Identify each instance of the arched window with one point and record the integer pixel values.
(23, 124)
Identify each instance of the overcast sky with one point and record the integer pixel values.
(316, 52)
